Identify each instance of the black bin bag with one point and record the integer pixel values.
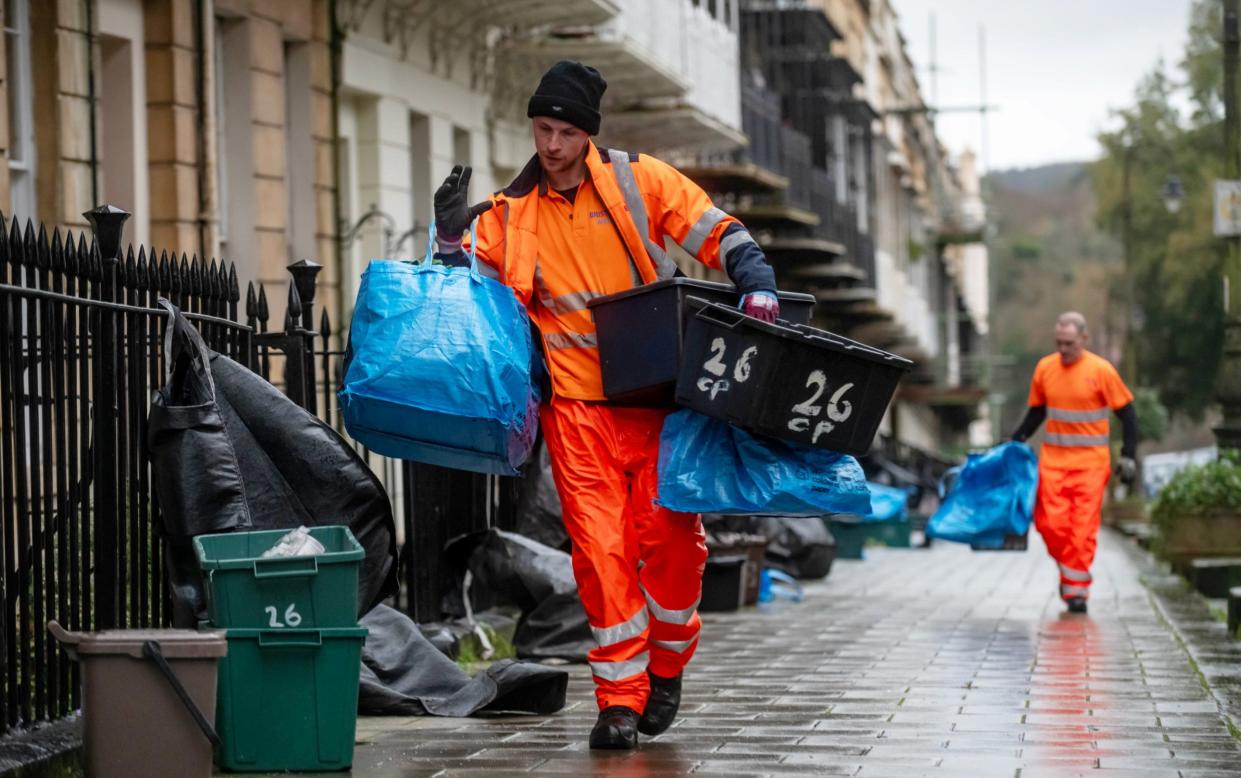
(230, 452)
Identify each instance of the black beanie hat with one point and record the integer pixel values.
(570, 91)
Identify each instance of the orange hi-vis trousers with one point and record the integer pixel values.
(638, 566)
(1067, 514)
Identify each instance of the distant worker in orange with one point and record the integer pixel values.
(1076, 391)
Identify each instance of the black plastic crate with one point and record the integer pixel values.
(790, 382)
(641, 333)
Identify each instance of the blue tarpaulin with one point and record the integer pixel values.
(887, 503)
(709, 466)
(993, 496)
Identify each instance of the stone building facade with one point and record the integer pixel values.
(210, 120)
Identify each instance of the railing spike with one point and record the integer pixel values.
(15, 242)
(142, 279)
(196, 278)
(30, 255)
(252, 304)
(43, 251)
(213, 281)
(176, 278)
(58, 252)
(294, 309)
(130, 276)
(82, 256)
(5, 254)
(159, 271)
(71, 266)
(262, 307)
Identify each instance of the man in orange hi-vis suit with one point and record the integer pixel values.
(577, 223)
(1076, 391)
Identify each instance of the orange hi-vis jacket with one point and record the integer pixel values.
(1079, 399)
(557, 255)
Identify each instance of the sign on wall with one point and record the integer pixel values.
(1227, 208)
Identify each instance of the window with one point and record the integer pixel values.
(21, 109)
(235, 204)
(116, 112)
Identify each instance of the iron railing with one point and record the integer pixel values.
(80, 356)
(78, 363)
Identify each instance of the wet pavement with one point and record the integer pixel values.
(914, 662)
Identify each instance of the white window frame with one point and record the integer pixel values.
(23, 201)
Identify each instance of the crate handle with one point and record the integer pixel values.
(288, 567)
(291, 639)
(151, 650)
(711, 313)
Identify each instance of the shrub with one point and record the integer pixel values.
(1215, 486)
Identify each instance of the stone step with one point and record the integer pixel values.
(1214, 577)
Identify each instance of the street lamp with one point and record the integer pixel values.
(1172, 194)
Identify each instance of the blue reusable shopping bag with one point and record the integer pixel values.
(439, 367)
(709, 466)
(887, 503)
(993, 496)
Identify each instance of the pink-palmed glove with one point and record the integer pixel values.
(763, 306)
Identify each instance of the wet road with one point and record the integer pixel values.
(914, 662)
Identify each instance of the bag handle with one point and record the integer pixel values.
(151, 650)
(177, 322)
(430, 255)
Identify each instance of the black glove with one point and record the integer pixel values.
(452, 216)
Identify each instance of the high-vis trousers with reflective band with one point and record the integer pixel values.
(1067, 514)
(638, 566)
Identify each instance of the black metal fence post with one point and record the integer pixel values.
(108, 223)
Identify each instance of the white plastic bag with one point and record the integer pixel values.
(299, 542)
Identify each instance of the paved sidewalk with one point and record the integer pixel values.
(937, 662)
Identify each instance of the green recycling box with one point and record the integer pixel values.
(288, 699)
(247, 592)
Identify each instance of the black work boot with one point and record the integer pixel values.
(617, 728)
(661, 706)
(1076, 604)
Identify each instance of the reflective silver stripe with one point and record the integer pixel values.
(676, 646)
(626, 630)
(561, 340)
(616, 671)
(730, 242)
(565, 303)
(1074, 591)
(664, 268)
(1063, 414)
(701, 230)
(1076, 441)
(1075, 575)
(661, 613)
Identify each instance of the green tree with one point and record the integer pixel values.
(1174, 260)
